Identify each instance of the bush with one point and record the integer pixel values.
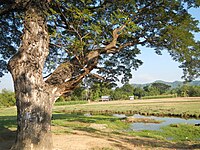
(7, 98)
(187, 90)
(194, 91)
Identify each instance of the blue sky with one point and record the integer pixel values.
(155, 67)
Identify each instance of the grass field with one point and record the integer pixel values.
(68, 119)
(180, 107)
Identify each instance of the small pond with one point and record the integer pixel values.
(156, 126)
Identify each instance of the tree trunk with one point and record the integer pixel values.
(34, 98)
(34, 121)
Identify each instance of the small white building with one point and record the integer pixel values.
(131, 97)
(105, 98)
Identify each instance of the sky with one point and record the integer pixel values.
(155, 67)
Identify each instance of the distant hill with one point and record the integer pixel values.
(174, 84)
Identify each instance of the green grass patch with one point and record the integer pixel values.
(8, 119)
(175, 133)
(159, 96)
(79, 121)
(10, 111)
(182, 132)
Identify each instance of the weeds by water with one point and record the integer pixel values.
(182, 132)
(176, 133)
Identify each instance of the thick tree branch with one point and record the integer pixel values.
(69, 74)
(70, 69)
(61, 74)
(72, 83)
(97, 76)
(116, 33)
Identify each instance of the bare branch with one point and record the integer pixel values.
(93, 54)
(59, 46)
(115, 35)
(97, 76)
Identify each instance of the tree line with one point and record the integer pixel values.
(154, 90)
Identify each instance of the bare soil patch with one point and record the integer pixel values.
(81, 140)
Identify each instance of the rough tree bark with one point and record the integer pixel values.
(34, 97)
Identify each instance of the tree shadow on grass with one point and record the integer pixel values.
(7, 136)
(81, 118)
(159, 143)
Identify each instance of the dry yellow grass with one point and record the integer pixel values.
(183, 107)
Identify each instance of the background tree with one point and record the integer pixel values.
(139, 92)
(194, 91)
(99, 89)
(128, 88)
(69, 39)
(78, 93)
(95, 91)
(183, 91)
(124, 92)
(151, 90)
(188, 90)
(161, 87)
(118, 94)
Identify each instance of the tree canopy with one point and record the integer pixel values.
(104, 35)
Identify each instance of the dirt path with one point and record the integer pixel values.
(80, 140)
(85, 142)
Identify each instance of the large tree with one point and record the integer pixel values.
(161, 87)
(70, 38)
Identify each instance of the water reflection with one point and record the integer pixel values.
(155, 126)
(121, 116)
(165, 121)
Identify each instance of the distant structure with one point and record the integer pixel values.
(105, 98)
(131, 97)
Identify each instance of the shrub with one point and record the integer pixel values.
(7, 98)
